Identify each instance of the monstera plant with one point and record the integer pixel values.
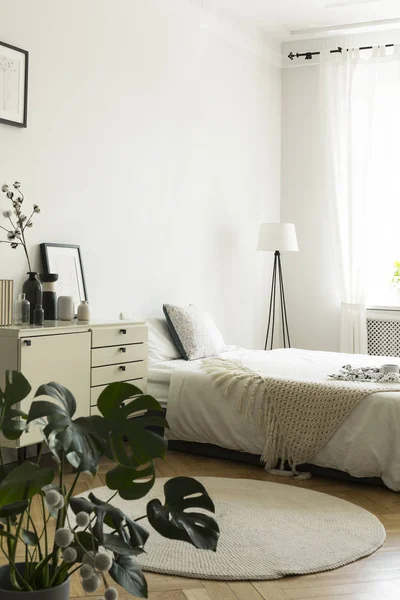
(89, 535)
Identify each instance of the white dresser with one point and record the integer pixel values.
(83, 357)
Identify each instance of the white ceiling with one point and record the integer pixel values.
(286, 18)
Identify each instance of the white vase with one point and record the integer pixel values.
(66, 308)
(83, 311)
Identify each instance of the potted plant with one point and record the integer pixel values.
(16, 225)
(90, 536)
(396, 278)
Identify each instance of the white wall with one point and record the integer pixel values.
(313, 299)
(153, 141)
(313, 302)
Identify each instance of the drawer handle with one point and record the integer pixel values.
(123, 331)
(122, 349)
(28, 342)
(122, 368)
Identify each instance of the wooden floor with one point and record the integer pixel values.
(374, 578)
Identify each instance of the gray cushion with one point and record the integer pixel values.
(193, 331)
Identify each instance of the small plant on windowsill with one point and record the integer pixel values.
(396, 275)
(91, 536)
(395, 281)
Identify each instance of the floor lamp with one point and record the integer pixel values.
(277, 237)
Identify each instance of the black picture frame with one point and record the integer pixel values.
(48, 253)
(26, 77)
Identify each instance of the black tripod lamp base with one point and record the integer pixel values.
(277, 296)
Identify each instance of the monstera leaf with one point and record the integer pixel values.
(127, 573)
(83, 543)
(13, 420)
(131, 483)
(122, 434)
(130, 537)
(14, 509)
(126, 527)
(130, 441)
(80, 444)
(23, 482)
(171, 520)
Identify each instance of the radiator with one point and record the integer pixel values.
(383, 337)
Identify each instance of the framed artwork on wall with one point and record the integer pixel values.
(66, 261)
(14, 66)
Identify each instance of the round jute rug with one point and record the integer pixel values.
(268, 531)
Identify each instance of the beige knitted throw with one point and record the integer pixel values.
(297, 416)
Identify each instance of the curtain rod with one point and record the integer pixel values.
(309, 55)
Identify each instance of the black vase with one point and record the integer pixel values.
(49, 296)
(33, 291)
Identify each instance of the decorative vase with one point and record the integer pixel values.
(22, 311)
(61, 592)
(38, 315)
(84, 311)
(66, 308)
(33, 291)
(49, 295)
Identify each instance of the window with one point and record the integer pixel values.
(382, 179)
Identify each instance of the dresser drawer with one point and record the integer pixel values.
(118, 335)
(96, 391)
(120, 372)
(113, 355)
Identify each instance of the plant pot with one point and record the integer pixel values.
(61, 592)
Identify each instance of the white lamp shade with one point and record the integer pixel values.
(277, 236)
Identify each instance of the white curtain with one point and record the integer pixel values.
(357, 116)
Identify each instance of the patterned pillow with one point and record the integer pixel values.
(193, 331)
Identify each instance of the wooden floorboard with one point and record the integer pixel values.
(376, 577)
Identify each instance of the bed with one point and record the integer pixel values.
(366, 445)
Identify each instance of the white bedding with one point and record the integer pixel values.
(366, 445)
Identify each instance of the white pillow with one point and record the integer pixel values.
(193, 331)
(161, 345)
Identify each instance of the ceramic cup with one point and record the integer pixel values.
(390, 369)
(66, 309)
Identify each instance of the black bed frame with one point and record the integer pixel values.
(213, 451)
(252, 459)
